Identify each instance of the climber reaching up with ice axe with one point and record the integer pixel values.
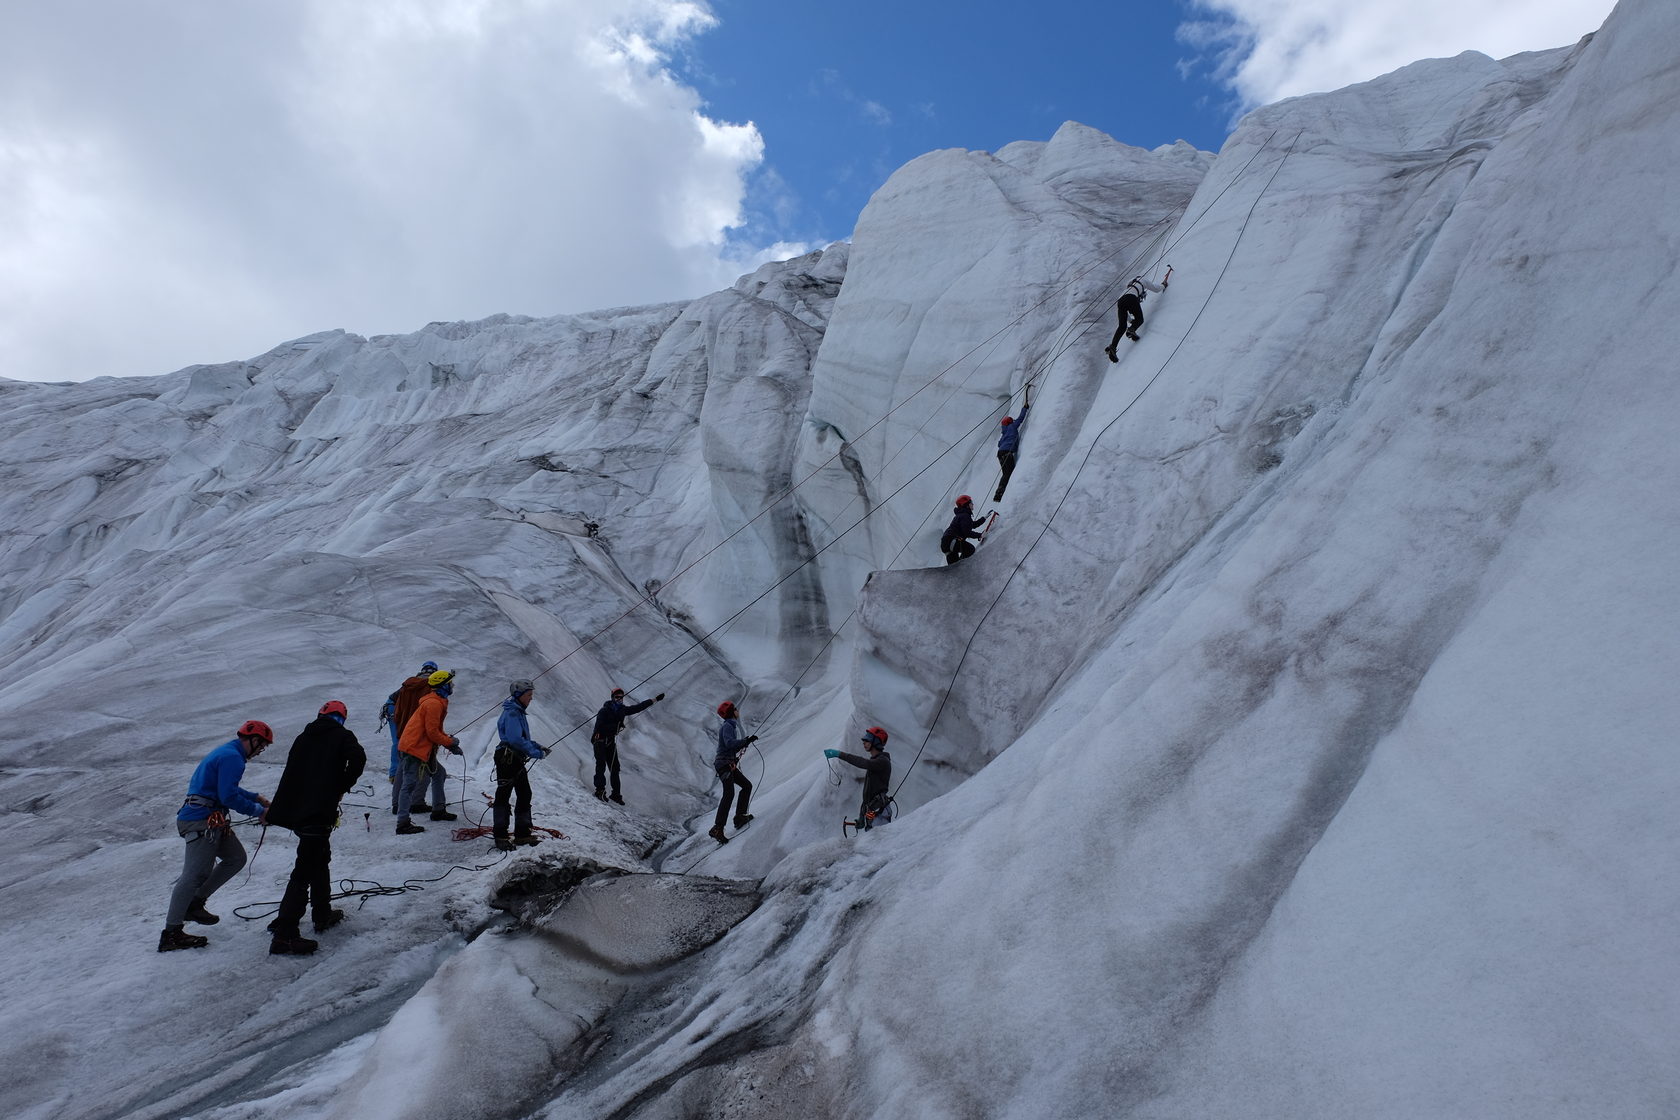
(1130, 309)
(1009, 442)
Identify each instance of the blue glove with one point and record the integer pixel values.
(831, 753)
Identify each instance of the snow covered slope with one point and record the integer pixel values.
(1297, 744)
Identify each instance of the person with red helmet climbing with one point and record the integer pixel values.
(727, 763)
(1130, 309)
(322, 766)
(963, 526)
(421, 737)
(877, 775)
(609, 721)
(1009, 442)
(214, 854)
(513, 782)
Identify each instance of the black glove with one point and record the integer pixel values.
(661, 696)
(752, 738)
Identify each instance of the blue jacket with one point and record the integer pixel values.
(515, 729)
(217, 777)
(1011, 437)
(730, 743)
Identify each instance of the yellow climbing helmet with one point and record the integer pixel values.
(442, 676)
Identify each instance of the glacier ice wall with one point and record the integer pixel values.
(1296, 745)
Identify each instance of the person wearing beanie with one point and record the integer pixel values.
(609, 721)
(512, 779)
(324, 763)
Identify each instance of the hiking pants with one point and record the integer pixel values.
(395, 772)
(732, 778)
(1006, 460)
(310, 885)
(606, 758)
(415, 775)
(214, 855)
(511, 781)
(1127, 307)
(960, 550)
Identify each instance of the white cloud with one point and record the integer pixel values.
(1269, 49)
(196, 181)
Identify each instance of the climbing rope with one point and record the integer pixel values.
(946, 693)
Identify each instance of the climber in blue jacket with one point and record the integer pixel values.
(513, 727)
(1009, 443)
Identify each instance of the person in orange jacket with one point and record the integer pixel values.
(421, 737)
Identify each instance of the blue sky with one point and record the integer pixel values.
(845, 93)
(197, 181)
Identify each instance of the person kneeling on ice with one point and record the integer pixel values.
(1130, 308)
(963, 526)
(323, 765)
(727, 764)
(511, 778)
(609, 721)
(422, 735)
(877, 775)
(203, 822)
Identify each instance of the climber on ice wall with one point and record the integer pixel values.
(1130, 309)
(963, 525)
(1009, 442)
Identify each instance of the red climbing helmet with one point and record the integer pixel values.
(964, 500)
(726, 710)
(618, 694)
(257, 728)
(875, 737)
(1008, 420)
(334, 708)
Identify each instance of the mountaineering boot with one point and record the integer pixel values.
(527, 841)
(292, 946)
(420, 807)
(197, 913)
(503, 844)
(716, 833)
(174, 937)
(442, 815)
(1112, 356)
(741, 821)
(601, 794)
(409, 828)
(998, 497)
(618, 797)
(328, 920)
(1133, 336)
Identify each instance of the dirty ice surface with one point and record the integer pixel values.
(1299, 742)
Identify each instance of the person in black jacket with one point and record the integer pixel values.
(324, 763)
(963, 526)
(877, 776)
(609, 721)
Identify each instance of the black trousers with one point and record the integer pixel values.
(606, 758)
(1006, 460)
(1127, 307)
(310, 886)
(511, 781)
(732, 778)
(959, 550)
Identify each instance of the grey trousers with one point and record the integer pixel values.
(213, 857)
(412, 779)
